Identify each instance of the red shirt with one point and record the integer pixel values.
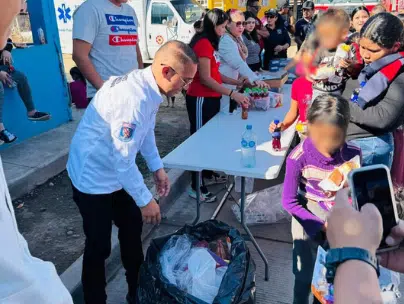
(302, 92)
(203, 48)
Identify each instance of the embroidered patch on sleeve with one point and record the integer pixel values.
(126, 132)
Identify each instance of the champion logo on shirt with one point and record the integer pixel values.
(117, 29)
(120, 20)
(122, 40)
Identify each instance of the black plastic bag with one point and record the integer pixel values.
(238, 284)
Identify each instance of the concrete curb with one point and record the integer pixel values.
(71, 278)
(34, 177)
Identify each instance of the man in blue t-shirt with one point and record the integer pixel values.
(303, 26)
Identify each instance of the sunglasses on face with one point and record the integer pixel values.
(270, 16)
(240, 23)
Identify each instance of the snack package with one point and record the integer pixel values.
(276, 100)
(337, 178)
(321, 290)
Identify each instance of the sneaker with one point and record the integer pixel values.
(206, 196)
(216, 178)
(7, 137)
(39, 116)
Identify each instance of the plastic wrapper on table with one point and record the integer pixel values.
(238, 284)
(263, 207)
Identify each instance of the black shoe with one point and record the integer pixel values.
(39, 116)
(130, 299)
(7, 137)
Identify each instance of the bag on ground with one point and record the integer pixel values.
(263, 207)
(202, 264)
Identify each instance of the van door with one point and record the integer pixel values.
(162, 25)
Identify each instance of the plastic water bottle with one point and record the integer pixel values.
(248, 147)
(356, 92)
(276, 137)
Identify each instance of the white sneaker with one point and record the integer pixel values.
(206, 197)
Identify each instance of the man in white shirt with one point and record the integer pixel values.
(23, 278)
(105, 41)
(107, 184)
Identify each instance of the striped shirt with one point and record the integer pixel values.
(254, 50)
(306, 167)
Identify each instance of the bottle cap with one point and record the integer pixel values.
(276, 121)
(249, 127)
(363, 83)
(345, 47)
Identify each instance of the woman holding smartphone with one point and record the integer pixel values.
(206, 90)
(380, 106)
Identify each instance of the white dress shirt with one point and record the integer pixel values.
(24, 278)
(117, 124)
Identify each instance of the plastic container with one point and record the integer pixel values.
(248, 148)
(356, 92)
(276, 137)
(244, 111)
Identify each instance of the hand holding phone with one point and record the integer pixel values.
(373, 185)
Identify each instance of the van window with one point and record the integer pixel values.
(161, 14)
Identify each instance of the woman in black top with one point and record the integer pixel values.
(379, 108)
(278, 42)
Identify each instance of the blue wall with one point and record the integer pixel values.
(43, 66)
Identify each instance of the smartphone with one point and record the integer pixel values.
(373, 185)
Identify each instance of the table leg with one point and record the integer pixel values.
(247, 230)
(223, 201)
(198, 198)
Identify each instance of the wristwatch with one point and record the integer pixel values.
(337, 256)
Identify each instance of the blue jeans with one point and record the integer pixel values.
(376, 150)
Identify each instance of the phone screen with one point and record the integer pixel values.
(373, 187)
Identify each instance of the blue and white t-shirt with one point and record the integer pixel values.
(113, 33)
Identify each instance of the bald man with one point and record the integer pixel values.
(107, 184)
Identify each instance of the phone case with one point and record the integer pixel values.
(354, 198)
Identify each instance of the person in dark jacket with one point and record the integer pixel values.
(10, 78)
(305, 24)
(278, 42)
(379, 109)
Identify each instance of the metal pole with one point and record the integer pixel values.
(198, 198)
(247, 230)
(223, 201)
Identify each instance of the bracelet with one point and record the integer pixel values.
(231, 92)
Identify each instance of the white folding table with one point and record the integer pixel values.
(217, 147)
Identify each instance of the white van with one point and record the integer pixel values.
(159, 21)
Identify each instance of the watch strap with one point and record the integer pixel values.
(337, 256)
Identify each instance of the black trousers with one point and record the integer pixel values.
(98, 213)
(200, 111)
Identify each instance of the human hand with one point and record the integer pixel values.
(151, 213)
(6, 57)
(262, 84)
(242, 81)
(5, 78)
(162, 182)
(241, 99)
(345, 63)
(273, 126)
(347, 227)
(394, 260)
(278, 49)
